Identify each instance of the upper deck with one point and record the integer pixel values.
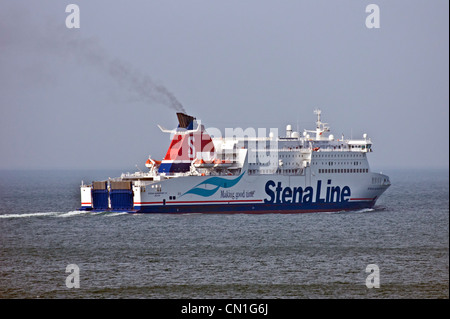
(243, 151)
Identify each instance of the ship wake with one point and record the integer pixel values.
(73, 213)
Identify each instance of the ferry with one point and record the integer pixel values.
(243, 172)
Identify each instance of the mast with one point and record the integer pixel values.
(320, 126)
(318, 112)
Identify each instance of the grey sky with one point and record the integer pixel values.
(77, 98)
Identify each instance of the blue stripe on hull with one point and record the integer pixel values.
(254, 208)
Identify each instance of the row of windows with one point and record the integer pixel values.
(272, 164)
(343, 170)
(321, 171)
(337, 163)
(338, 155)
(290, 155)
(313, 163)
(281, 155)
(276, 155)
(278, 171)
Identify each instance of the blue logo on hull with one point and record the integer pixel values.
(219, 182)
(297, 195)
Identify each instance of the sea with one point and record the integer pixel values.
(51, 250)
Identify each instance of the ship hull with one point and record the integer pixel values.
(246, 194)
(232, 208)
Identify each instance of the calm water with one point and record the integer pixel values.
(321, 255)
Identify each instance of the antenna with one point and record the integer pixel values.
(318, 112)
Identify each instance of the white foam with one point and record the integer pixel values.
(43, 214)
(29, 215)
(362, 210)
(115, 214)
(72, 213)
(365, 210)
(97, 213)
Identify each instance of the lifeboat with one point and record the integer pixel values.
(151, 163)
(201, 163)
(221, 163)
